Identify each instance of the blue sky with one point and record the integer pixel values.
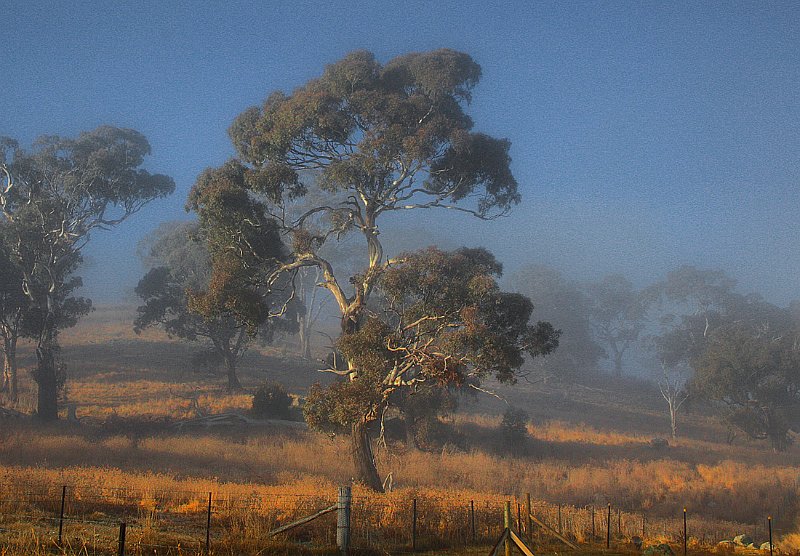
(644, 134)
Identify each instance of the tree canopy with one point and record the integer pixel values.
(180, 264)
(753, 371)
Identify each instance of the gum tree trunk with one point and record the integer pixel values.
(47, 382)
(10, 384)
(364, 461)
(230, 368)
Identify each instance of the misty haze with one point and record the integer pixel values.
(379, 278)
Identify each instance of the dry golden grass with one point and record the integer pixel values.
(586, 449)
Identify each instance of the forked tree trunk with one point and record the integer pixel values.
(673, 418)
(366, 472)
(618, 364)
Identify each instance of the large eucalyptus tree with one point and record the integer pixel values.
(378, 139)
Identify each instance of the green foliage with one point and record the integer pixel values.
(337, 407)
(271, 402)
(439, 320)
(450, 303)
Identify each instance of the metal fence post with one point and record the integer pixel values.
(684, 532)
(121, 549)
(608, 527)
(208, 526)
(769, 524)
(343, 520)
(61, 515)
(414, 525)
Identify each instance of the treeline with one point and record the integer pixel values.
(693, 333)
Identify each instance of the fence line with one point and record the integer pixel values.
(429, 522)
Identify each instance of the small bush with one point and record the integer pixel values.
(271, 402)
(514, 428)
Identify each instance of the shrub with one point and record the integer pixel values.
(514, 429)
(271, 402)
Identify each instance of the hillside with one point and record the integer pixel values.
(588, 445)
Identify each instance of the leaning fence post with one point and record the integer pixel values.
(507, 523)
(608, 527)
(414, 525)
(343, 520)
(121, 549)
(61, 515)
(208, 526)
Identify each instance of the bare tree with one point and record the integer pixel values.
(673, 388)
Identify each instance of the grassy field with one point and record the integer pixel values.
(588, 446)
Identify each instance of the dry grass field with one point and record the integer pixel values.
(588, 446)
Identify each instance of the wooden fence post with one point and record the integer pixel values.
(608, 527)
(643, 526)
(594, 533)
(529, 530)
(121, 547)
(472, 519)
(61, 515)
(343, 520)
(507, 523)
(560, 529)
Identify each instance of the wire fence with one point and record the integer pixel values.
(38, 519)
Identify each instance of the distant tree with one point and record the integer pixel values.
(617, 315)
(673, 388)
(51, 199)
(382, 139)
(563, 304)
(181, 264)
(753, 373)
